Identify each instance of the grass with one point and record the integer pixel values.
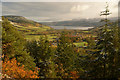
(80, 44)
(32, 29)
(37, 37)
(32, 37)
(51, 37)
(85, 31)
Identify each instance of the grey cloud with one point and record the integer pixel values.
(35, 9)
(53, 11)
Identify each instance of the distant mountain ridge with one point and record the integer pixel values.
(95, 22)
(22, 21)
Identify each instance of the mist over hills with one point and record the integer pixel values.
(95, 22)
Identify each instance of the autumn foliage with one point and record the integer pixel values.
(15, 70)
(74, 74)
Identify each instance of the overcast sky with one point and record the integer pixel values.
(57, 11)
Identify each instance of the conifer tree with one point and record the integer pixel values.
(104, 45)
(105, 62)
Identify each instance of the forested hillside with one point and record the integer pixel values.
(37, 53)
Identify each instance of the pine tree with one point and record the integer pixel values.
(104, 45)
(114, 56)
(105, 61)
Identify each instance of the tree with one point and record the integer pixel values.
(13, 45)
(114, 56)
(103, 46)
(65, 54)
(14, 69)
(91, 42)
(104, 62)
(43, 54)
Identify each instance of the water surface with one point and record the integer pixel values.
(71, 27)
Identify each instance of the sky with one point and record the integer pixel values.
(58, 11)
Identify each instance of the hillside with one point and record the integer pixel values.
(95, 22)
(27, 26)
(22, 21)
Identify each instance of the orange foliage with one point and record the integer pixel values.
(15, 70)
(74, 74)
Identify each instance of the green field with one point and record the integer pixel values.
(32, 29)
(32, 33)
(37, 37)
(80, 44)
